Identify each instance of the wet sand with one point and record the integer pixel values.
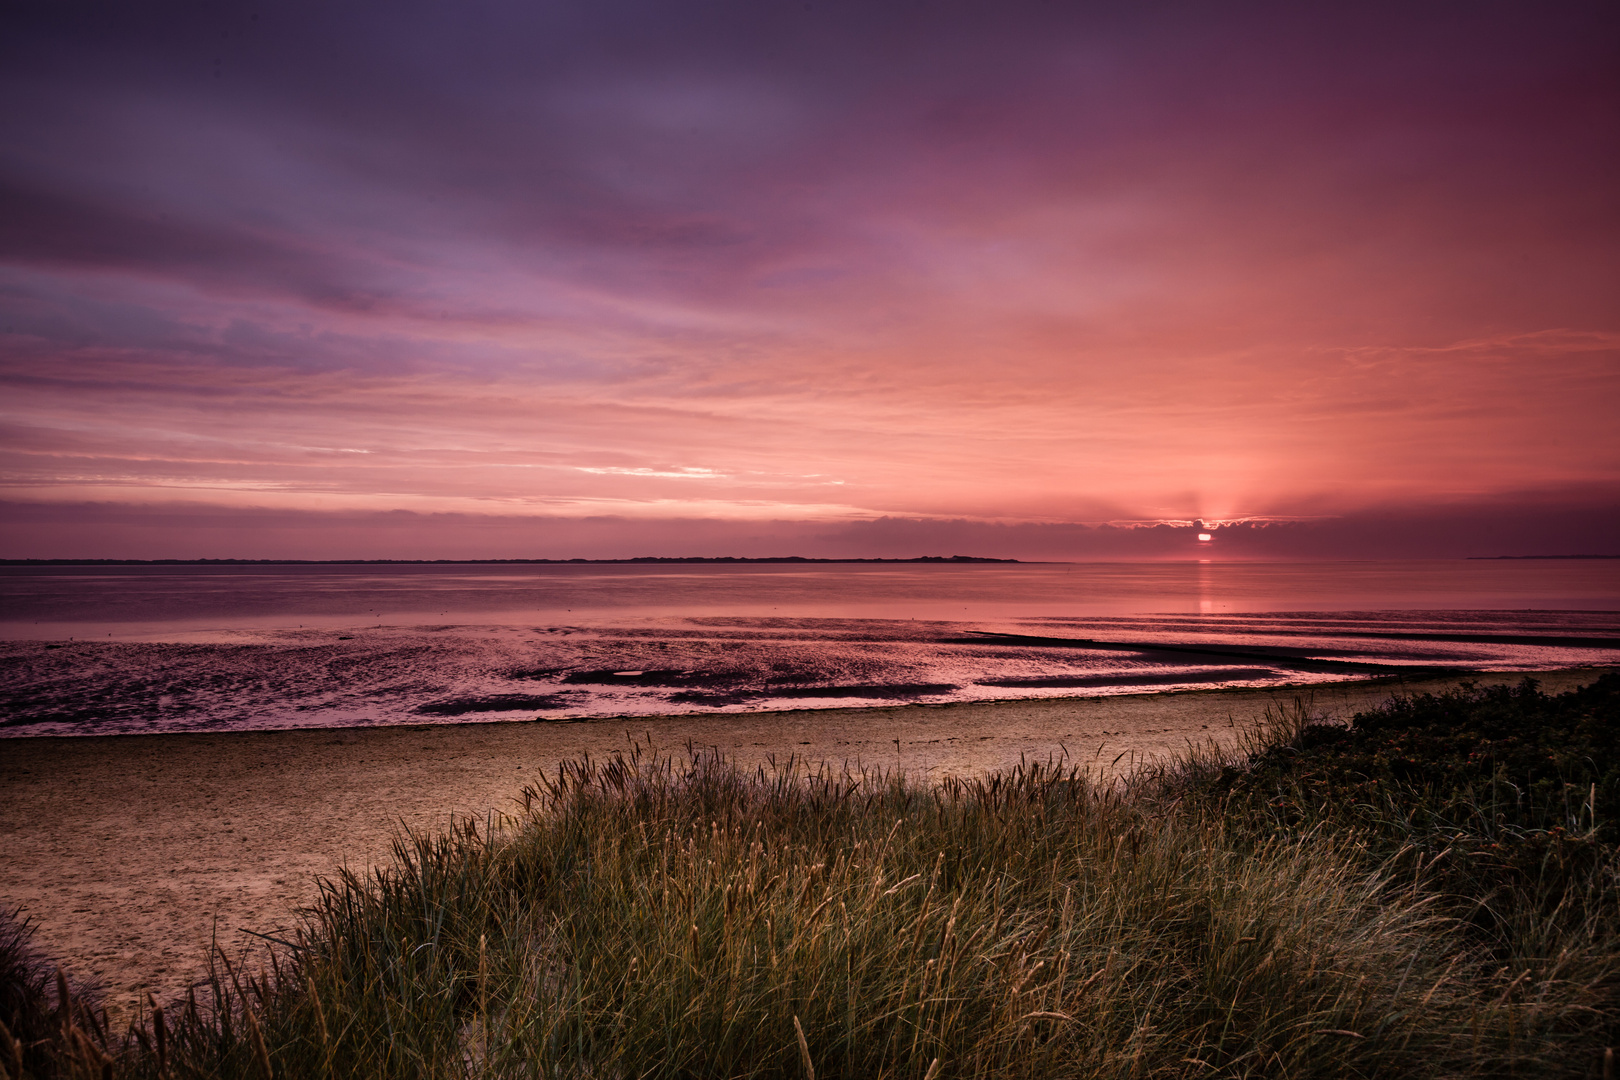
(130, 853)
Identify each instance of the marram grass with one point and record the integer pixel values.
(651, 917)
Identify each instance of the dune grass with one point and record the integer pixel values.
(1327, 902)
(43, 1019)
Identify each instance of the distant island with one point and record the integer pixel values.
(485, 562)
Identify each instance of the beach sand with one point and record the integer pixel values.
(129, 854)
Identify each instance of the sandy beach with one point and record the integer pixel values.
(130, 853)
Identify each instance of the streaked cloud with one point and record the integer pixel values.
(1018, 266)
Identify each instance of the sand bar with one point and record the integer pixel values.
(129, 852)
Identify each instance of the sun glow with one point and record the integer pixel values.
(619, 286)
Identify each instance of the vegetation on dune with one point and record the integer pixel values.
(1495, 792)
(1431, 890)
(41, 1016)
(1503, 761)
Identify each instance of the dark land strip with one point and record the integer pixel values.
(1553, 640)
(1277, 655)
(639, 559)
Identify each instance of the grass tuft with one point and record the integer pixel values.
(49, 1027)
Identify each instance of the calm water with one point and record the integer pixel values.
(165, 648)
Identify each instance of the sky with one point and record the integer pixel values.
(1040, 280)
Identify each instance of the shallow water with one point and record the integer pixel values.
(187, 648)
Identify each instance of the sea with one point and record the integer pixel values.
(121, 649)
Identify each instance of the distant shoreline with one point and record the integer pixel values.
(489, 562)
(1492, 558)
(654, 560)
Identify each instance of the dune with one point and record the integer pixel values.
(131, 854)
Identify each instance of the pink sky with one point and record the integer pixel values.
(757, 280)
